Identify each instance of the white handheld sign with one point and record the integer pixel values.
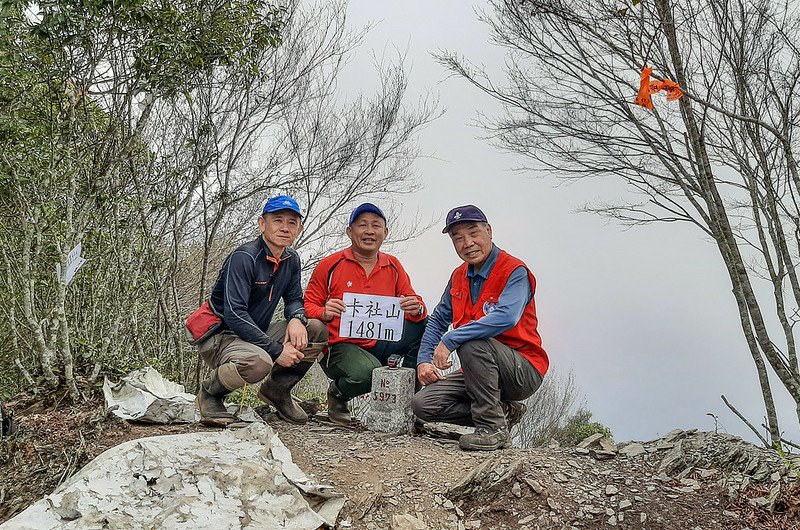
(370, 316)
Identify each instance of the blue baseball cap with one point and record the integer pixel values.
(464, 214)
(282, 202)
(367, 207)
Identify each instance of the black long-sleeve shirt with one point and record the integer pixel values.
(250, 285)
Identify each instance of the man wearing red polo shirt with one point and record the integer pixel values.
(361, 269)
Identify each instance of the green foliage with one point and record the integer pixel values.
(247, 396)
(168, 44)
(791, 461)
(146, 131)
(75, 78)
(579, 426)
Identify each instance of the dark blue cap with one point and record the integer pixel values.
(464, 214)
(282, 202)
(367, 207)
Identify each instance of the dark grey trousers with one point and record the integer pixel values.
(491, 373)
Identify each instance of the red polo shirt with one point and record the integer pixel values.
(340, 273)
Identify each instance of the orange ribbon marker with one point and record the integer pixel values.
(643, 97)
(647, 88)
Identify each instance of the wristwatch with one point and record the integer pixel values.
(301, 316)
(421, 310)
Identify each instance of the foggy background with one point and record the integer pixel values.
(644, 317)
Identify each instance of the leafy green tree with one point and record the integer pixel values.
(149, 133)
(78, 82)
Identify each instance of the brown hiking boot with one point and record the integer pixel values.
(485, 439)
(277, 391)
(514, 411)
(210, 402)
(337, 406)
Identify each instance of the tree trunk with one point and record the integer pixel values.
(750, 314)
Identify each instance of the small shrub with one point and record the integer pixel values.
(579, 426)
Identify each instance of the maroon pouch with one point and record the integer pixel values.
(201, 324)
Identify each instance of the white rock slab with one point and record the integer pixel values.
(144, 395)
(216, 480)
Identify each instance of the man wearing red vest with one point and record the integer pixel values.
(489, 302)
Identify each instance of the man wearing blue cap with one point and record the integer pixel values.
(489, 303)
(246, 347)
(361, 269)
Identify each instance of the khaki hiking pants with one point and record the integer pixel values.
(253, 363)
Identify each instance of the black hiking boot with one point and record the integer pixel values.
(337, 406)
(485, 439)
(276, 390)
(210, 402)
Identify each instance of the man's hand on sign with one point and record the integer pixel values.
(290, 356)
(410, 304)
(296, 334)
(333, 308)
(441, 357)
(427, 374)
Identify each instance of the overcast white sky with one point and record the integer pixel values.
(644, 317)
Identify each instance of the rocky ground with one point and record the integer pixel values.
(686, 480)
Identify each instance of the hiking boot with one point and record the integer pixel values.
(485, 439)
(337, 406)
(514, 410)
(209, 400)
(276, 390)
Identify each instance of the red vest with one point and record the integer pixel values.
(523, 337)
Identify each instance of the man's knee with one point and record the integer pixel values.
(252, 362)
(317, 331)
(476, 354)
(359, 378)
(256, 371)
(228, 374)
(354, 371)
(475, 346)
(254, 368)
